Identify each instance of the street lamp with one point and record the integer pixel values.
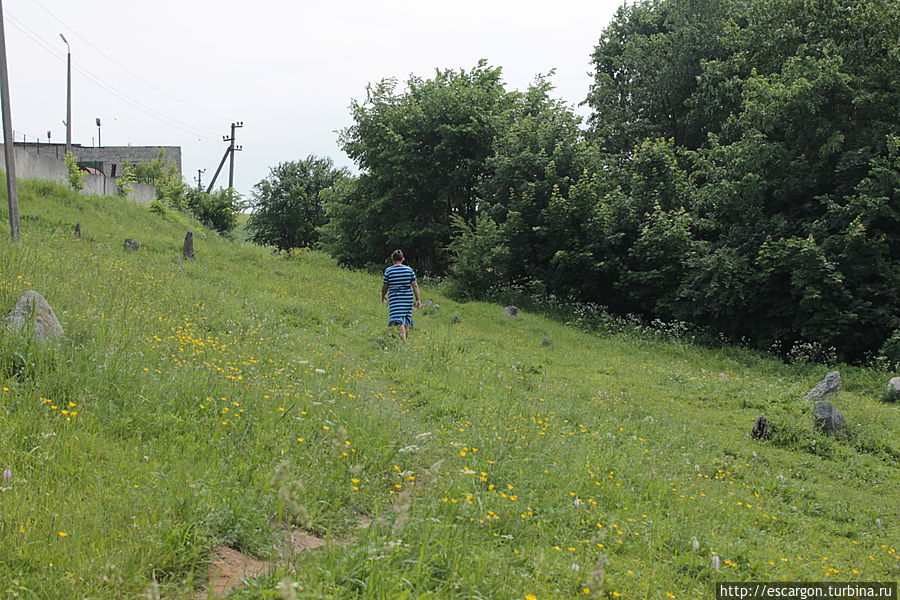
(68, 95)
(99, 143)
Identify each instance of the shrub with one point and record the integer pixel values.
(479, 257)
(173, 192)
(74, 175)
(158, 207)
(217, 210)
(890, 350)
(125, 182)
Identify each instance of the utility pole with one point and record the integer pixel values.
(99, 143)
(68, 95)
(200, 173)
(9, 141)
(216, 176)
(229, 151)
(233, 150)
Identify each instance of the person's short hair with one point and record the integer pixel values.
(397, 255)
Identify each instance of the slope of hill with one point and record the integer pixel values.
(221, 402)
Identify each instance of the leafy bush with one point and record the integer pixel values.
(74, 175)
(289, 204)
(890, 350)
(218, 210)
(125, 182)
(479, 257)
(173, 192)
(158, 207)
(156, 171)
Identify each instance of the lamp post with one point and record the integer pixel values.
(99, 143)
(68, 95)
(8, 141)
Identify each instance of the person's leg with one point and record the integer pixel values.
(404, 331)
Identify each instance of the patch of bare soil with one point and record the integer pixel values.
(300, 541)
(229, 568)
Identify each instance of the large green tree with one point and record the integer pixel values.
(536, 157)
(289, 204)
(422, 152)
(646, 69)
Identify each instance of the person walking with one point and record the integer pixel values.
(400, 290)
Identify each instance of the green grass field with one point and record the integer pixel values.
(217, 402)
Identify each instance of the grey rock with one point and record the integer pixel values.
(762, 430)
(427, 303)
(828, 418)
(892, 390)
(189, 245)
(826, 388)
(33, 311)
(130, 244)
(511, 311)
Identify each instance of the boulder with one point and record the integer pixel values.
(130, 244)
(828, 418)
(511, 311)
(34, 308)
(892, 390)
(826, 388)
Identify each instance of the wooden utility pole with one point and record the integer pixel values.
(9, 142)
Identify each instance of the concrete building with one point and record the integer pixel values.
(107, 160)
(46, 167)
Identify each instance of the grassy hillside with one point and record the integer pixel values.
(196, 405)
(240, 231)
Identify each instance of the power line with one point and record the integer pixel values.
(151, 112)
(123, 67)
(25, 134)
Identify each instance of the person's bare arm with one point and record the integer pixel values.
(415, 287)
(384, 289)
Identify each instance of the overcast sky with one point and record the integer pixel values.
(178, 72)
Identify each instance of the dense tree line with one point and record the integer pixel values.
(740, 170)
(761, 139)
